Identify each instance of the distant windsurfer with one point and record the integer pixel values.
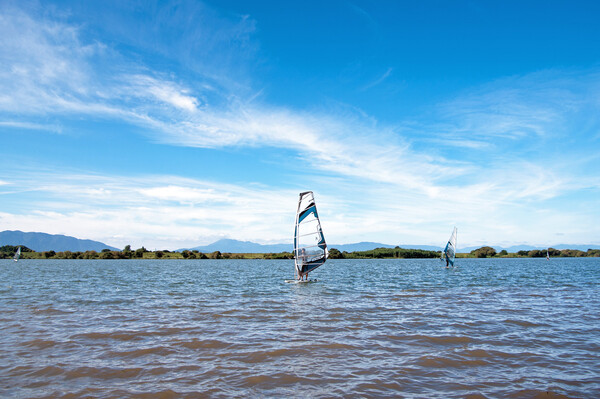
(447, 262)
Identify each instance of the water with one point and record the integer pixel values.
(508, 328)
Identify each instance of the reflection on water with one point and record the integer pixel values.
(368, 328)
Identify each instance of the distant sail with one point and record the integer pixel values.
(310, 249)
(547, 254)
(17, 255)
(450, 250)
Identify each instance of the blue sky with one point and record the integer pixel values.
(173, 124)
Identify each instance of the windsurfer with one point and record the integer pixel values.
(302, 262)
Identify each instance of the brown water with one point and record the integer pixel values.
(502, 328)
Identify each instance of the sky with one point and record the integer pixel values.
(172, 124)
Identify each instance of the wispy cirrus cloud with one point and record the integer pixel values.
(535, 106)
(191, 115)
(379, 80)
(31, 126)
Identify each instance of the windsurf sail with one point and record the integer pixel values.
(17, 254)
(310, 249)
(547, 254)
(450, 250)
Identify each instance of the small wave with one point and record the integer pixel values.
(495, 355)
(442, 362)
(50, 310)
(476, 353)
(277, 379)
(166, 394)
(104, 373)
(126, 335)
(448, 339)
(333, 345)
(204, 344)
(536, 394)
(159, 350)
(40, 343)
(49, 371)
(507, 310)
(270, 355)
(378, 386)
(118, 393)
(523, 323)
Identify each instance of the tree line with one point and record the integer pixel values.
(8, 251)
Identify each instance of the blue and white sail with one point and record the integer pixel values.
(310, 249)
(450, 250)
(17, 255)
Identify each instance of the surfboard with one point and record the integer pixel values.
(311, 280)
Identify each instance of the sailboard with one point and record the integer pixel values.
(547, 254)
(450, 250)
(310, 249)
(17, 255)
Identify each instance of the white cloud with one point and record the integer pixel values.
(161, 211)
(31, 126)
(164, 91)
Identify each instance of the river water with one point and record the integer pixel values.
(489, 328)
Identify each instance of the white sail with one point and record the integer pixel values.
(17, 255)
(310, 249)
(450, 250)
(547, 254)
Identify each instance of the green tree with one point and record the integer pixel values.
(159, 254)
(484, 252)
(503, 252)
(593, 253)
(139, 253)
(335, 254)
(553, 252)
(107, 254)
(536, 253)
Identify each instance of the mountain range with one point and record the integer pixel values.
(40, 242)
(235, 246)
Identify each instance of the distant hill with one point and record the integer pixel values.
(516, 248)
(235, 246)
(40, 242)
